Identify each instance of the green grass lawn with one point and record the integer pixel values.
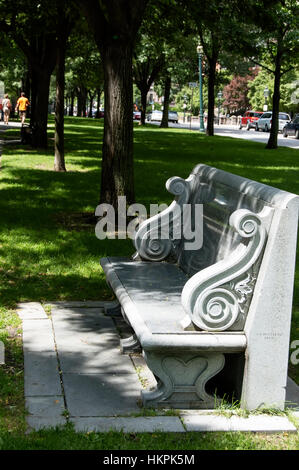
(49, 252)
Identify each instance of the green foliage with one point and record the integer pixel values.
(166, 46)
(13, 67)
(289, 84)
(83, 64)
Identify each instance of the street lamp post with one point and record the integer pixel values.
(219, 95)
(201, 121)
(266, 95)
(185, 106)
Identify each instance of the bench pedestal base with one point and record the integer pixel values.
(181, 379)
(130, 345)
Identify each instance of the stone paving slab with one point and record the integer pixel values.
(41, 374)
(77, 311)
(31, 311)
(79, 321)
(129, 424)
(40, 360)
(87, 342)
(38, 335)
(101, 395)
(46, 405)
(102, 361)
(37, 423)
(42, 386)
(75, 341)
(259, 423)
(78, 303)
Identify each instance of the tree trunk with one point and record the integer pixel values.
(81, 100)
(41, 53)
(144, 76)
(143, 92)
(117, 178)
(84, 102)
(71, 108)
(99, 92)
(115, 25)
(91, 98)
(211, 96)
(272, 142)
(59, 163)
(26, 87)
(40, 118)
(33, 98)
(167, 85)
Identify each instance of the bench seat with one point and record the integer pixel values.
(150, 295)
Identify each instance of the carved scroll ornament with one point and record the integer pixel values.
(156, 236)
(208, 297)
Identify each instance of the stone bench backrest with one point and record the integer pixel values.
(219, 201)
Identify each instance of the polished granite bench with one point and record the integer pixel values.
(210, 304)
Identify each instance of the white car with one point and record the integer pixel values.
(157, 116)
(265, 121)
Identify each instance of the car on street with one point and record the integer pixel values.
(173, 117)
(156, 115)
(265, 121)
(249, 119)
(292, 128)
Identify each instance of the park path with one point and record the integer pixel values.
(74, 372)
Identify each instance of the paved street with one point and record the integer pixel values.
(235, 132)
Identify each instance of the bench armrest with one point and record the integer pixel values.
(217, 297)
(156, 236)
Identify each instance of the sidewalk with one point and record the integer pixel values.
(74, 372)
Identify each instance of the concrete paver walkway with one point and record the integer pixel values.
(74, 372)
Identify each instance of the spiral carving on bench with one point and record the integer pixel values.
(156, 237)
(209, 297)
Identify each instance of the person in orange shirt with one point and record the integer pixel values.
(21, 106)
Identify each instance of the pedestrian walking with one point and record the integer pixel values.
(6, 106)
(22, 106)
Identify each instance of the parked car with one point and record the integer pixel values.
(173, 117)
(265, 121)
(137, 115)
(156, 115)
(249, 119)
(292, 128)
